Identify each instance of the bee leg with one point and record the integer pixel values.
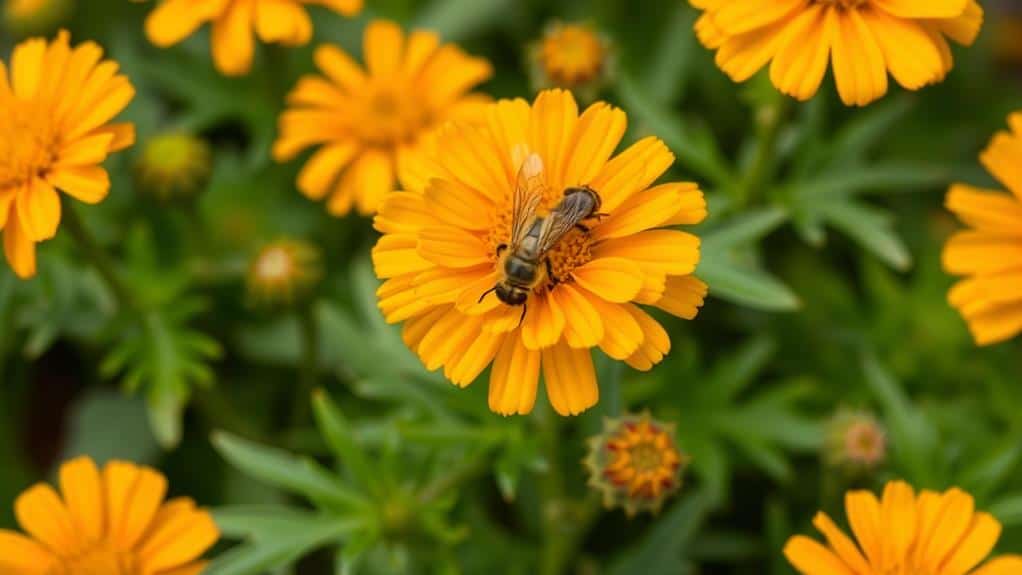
(599, 216)
(525, 308)
(486, 293)
(550, 273)
(582, 227)
(501, 248)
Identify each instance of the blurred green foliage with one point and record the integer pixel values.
(822, 253)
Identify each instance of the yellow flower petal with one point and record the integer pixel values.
(233, 45)
(801, 62)
(544, 322)
(584, 325)
(669, 252)
(859, 66)
(1001, 566)
(551, 125)
(811, 558)
(82, 488)
(180, 534)
(19, 249)
(38, 210)
(514, 378)
(975, 545)
(383, 46)
(20, 555)
(570, 379)
(614, 279)
(42, 514)
(655, 344)
(282, 21)
(452, 247)
(683, 296)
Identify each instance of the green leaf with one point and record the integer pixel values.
(746, 286)
(660, 551)
(882, 178)
(695, 149)
(456, 20)
(91, 433)
(987, 473)
(866, 130)
(340, 437)
(748, 228)
(1008, 510)
(264, 522)
(301, 536)
(288, 472)
(870, 228)
(671, 61)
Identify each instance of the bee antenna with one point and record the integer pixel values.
(486, 293)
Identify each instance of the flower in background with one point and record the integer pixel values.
(174, 165)
(855, 441)
(109, 522)
(863, 39)
(635, 464)
(283, 272)
(55, 106)
(989, 254)
(371, 123)
(441, 253)
(234, 22)
(571, 56)
(26, 17)
(904, 533)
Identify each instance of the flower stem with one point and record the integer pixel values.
(555, 542)
(453, 478)
(99, 258)
(768, 119)
(309, 370)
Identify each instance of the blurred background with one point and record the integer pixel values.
(827, 306)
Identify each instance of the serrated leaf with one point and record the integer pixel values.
(747, 286)
(259, 557)
(340, 436)
(291, 473)
(871, 229)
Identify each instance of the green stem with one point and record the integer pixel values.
(309, 369)
(452, 479)
(99, 258)
(769, 120)
(556, 550)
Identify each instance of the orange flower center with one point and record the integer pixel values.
(101, 561)
(29, 141)
(389, 114)
(274, 265)
(570, 252)
(643, 460)
(845, 3)
(572, 54)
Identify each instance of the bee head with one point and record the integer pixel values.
(511, 295)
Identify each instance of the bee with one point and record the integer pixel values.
(524, 261)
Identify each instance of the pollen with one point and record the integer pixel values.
(29, 142)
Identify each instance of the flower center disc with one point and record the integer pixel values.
(102, 562)
(28, 140)
(389, 114)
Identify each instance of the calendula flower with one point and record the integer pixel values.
(25, 17)
(234, 22)
(174, 165)
(55, 106)
(904, 534)
(989, 254)
(864, 40)
(283, 271)
(109, 522)
(447, 238)
(372, 123)
(855, 441)
(571, 56)
(634, 463)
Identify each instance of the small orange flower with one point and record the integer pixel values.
(571, 55)
(54, 135)
(904, 534)
(855, 441)
(373, 123)
(990, 253)
(635, 463)
(234, 22)
(283, 271)
(109, 522)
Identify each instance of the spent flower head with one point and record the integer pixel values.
(283, 272)
(635, 464)
(855, 441)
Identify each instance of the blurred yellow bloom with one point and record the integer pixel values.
(634, 463)
(989, 254)
(571, 55)
(54, 109)
(371, 123)
(864, 40)
(938, 533)
(109, 522)
(235, 21)
(854, 442)
(440, 253)
(283, 271)
(25, 17)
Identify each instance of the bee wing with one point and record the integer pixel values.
(561, 220)
(530, 187)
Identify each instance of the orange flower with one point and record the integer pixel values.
(54, 109)
(234, 21)
(113, 522)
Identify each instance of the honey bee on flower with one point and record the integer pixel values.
(533, 204)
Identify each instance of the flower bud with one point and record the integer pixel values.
(174, 166)
(855, 442)
(571, 56)
(283, 272)
(635, 463)
(36, 17)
